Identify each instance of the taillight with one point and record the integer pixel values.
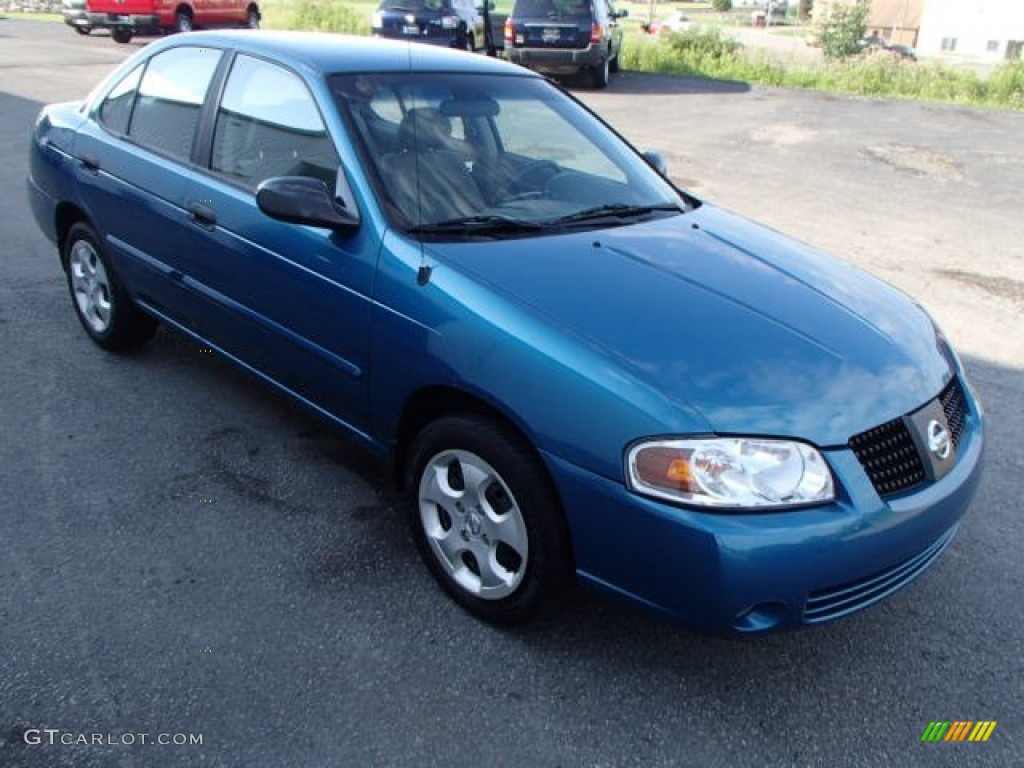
(509, 31)
(596, 33)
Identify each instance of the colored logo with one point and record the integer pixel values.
(958, 730)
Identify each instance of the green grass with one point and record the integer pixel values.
(32, 16)
(708, 54)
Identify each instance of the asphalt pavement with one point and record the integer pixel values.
(183, 553)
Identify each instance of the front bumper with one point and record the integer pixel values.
(557, 61)
(750, 573)
(453, 40)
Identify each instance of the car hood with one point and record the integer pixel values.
(760, 333)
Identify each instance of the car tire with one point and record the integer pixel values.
(485, 518)
(83, 30)
(613, 64)
(600, 73)
(470, 43)
(183, 23)
(253, 20)
(121, 35)
(103, 307)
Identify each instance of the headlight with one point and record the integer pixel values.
(733, 472)
(377, 20)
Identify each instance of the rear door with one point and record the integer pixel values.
(135, 161)
(556, 23)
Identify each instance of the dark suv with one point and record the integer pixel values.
(453, 23)
(563, 37)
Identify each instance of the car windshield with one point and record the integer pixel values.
(552, 9)
(413, 5)
(494, 155)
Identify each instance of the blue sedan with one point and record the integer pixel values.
(576, 368)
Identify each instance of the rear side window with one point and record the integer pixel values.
(170, 98)
(268, 125)
(414, 5)
(553, 9)
(116, 109)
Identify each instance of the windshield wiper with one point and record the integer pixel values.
(479, 225)
(614, 211)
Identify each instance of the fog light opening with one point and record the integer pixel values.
(761, 617)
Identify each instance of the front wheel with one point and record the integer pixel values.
(101, 304)
(83, 30)
(485, 518)
(121, 35)
(253, 20)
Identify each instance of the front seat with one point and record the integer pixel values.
(427, 180)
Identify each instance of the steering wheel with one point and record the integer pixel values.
(532, 176)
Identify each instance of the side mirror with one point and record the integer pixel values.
(657, 162)
(303, 200)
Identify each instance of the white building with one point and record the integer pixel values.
(983, 29)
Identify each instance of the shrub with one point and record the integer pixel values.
(325, 16)
(844, 29)
(722, 6)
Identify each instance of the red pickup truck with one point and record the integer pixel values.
(125, 18)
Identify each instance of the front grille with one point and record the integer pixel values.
(826, 604)
(954, 404)
(889, 457)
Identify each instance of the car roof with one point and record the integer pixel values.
(332, 54)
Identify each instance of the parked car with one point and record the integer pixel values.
(879, 45)
(572, 365)
(565, 37)
(127, 18)
(451, 23)
(677, 21)
(902, 52)
(76, 16)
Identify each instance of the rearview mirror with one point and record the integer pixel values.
(657, 162)
(303, 200)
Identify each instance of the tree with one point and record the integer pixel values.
(844, 29)
(805, 9)
(721, 5)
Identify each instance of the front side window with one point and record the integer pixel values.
(485, 149)
(170, 98)
(268, 125)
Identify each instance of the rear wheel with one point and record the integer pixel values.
(102, 305)
(83, 30)
(600, 74)
(253, 21)
(183, 22)
(121, 35)
(470, 43)
(613, 65)
(485, 519)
